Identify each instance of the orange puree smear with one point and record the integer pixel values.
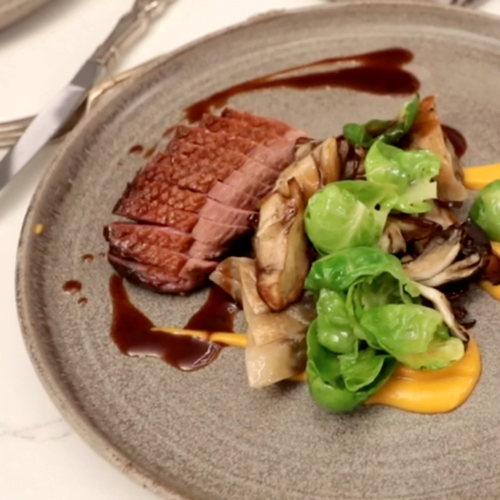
(432, 391)
(493, 290)
(477, 178)
(418, 391)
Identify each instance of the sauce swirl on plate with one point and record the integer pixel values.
(131, 330)
(379, 72)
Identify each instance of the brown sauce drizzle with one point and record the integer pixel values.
(131, 330)
(379, 72)
(150, 152)
(457, 139)
(169, 130)
(72, 286)
(83, 301)
(88, 257)
(137, 149)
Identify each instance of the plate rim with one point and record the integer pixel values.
(45, 371)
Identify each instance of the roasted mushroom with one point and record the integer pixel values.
(314, 170)
(402, 230)
(281, 248)
(427, 133)
(392, 240)
(276, 347)
(441, 215)
(444, 307)
(455, 254)
(457, 271)
(280, 243)
(439, 254)
(227, 276)
(352, 160)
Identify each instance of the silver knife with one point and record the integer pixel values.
(64, 105)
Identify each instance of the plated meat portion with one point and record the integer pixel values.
(197, 198)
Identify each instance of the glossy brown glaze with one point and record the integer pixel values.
(137, 149)
(131, 330)
(150, 152)
(169, 130)
(379, 72)
(88, 257)
(72, 286)
(83, 301)
(457, 139)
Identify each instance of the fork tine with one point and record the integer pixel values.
(9, 139)
(15, 125)
(11, 131)
(7, 143)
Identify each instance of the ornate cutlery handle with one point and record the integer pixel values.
(131, 26)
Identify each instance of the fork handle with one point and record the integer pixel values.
(130, 27)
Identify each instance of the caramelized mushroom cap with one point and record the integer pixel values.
(427, 133)
(276, 347)
(280, 242)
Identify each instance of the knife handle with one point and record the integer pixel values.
(130, 27)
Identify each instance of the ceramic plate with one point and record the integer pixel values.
(206, 435)
(14, 10)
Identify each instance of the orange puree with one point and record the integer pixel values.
(419, 391)
(432, 391)
(477, 178)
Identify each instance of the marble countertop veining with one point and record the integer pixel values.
(40, 456)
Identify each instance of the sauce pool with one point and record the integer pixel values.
(150, 152)
(131, 330)
(137, 149)
(72, 286)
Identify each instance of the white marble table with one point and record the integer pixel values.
(40, 456)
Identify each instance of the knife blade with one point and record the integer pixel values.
(64, 105)
(49, 121)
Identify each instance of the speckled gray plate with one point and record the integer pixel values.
(206, 435)
(14, 10)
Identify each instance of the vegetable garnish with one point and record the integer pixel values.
(359, 257)
(419, 391)
(485, 211)
(369, 319)
(389, 131)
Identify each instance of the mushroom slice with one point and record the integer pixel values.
(276, 348)
(459, 270)
(280, 242)
(227, 276)
(415, 228)
(314, 170)
(427, 133)
(444, 307)
(392, 239)
(272, 363)
(305, 148)
(281, 248)
(441, 215)
(440, 253)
